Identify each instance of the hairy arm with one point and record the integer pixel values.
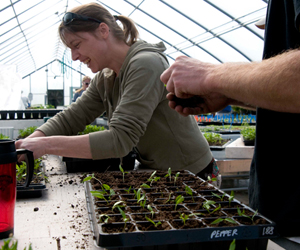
(271, 84)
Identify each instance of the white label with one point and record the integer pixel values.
(268, 231)
(223, 233)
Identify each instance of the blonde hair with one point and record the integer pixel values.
(83, 79)
(129, 34)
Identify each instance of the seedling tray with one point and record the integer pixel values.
(220, 147)
(34, 190)
(172, 232)
(74, 165)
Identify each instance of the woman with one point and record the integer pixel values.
(85, 84)
(128, 87)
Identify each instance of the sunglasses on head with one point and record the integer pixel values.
(70, 17)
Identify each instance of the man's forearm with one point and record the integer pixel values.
(272, 84)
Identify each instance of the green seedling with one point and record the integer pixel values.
(170, 194)
(155, 224)
(219, 196)
(128, 190)
(231, 197)
(151, 210)
(153, 178)
(104, 218)
(12, 245)
(88, 178)
(99, 195)
(144, 185)
(2, 136)
(207, 205)
(91, 128)
(232, 245)
(23, 133)
(141, 198)
(184, 216)
(119, 205)
(108, 190)
(169, 174)
(242, 213)
(176, 177)
(123, 172)
(21, 170)
(189, 191)
(223, 219)
(179, 199)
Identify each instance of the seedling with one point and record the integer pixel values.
(151, 210)
(144, 185)
(179, 199)
(106, 188)
(128, 190)
(176, 177)
(153, 178)
(189, 191)
(122, 170)
(125, 218)
(88, 178)
(206, 205)
(184, 217)
(104, 217)
(232, 245)
(242, 213)
(99, 194)
(12, 245)
(223, 219)
(219, 196)
(169, 174)
(231, 197)
(155, 224)
(141, 198)
(170, 194)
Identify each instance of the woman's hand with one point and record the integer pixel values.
(35, 143)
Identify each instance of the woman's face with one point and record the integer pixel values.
(89, 49)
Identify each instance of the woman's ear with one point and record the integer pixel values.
(103, 30)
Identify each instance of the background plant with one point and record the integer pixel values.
(91, 128)
(23, 133)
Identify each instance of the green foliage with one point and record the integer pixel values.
(179, 199)
(213, 138)
(23, 133)
(104, 218)
(4, 136)
(242, 213)
(10, 245)
(176, 177)
(155, 224)
(153, 178)
(122, 170)
(219, 196)
(49, 106)
(189, 191)
(91, 128)
(151, 210)
(223, 219)
(248, 132)
(21, 170)
(169, 174)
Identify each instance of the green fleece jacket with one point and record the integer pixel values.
(138, 114)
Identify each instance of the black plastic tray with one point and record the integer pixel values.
(33, 190)
(220, 147)
(252, 237)
(74, 165)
